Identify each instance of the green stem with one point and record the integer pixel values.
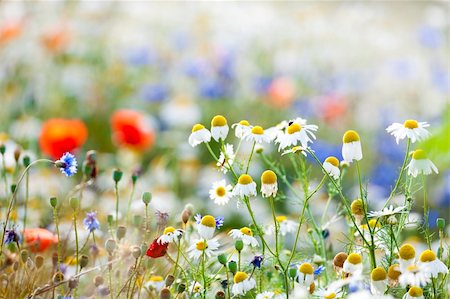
(276, 225)
(76, 247)
(55, 217)
(250, 158)
(116, 188)
(211, 151)
(176, 261)
(5, 179)
(133, 188)
(27, 179)
(425, 213)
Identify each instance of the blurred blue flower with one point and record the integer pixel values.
(12, 236)
(256, 261)
(67, 164)
(430, 36)
(219, 222)
(154, 92)
(441, 78)
(90, 222)
(324, 149)
(138, 56)
(261, 84)
(212, 89)
(319, 270)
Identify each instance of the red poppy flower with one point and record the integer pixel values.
(157, 250)
(39, 239)
(57, 39)
(9, 31)
(132, 129)
(62, 135)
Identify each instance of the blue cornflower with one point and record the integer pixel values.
(319, 270)
(257, 261)
(67, 164)
(12, 236)
(90, 222)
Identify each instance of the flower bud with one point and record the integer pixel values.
(146, 197)
(239, 245)
(222, 259)
(73, 283)
(110, 219)
(292, 272)
(58, 277)
(169, 280)
(98, 281)
(39, 261)
(74, 203)
(13, 188)
(2, 148)
(185, 216)
(121, 232)
(134, 177)
(136, 252)
(339, 259)
(53, 201)
(110, 246)
(220, 295)
(26, 160)
(232, 266)
(440, 223)
(23, 255)
(17, 153)
(165, 294)
(84, 260)
(117, 175)
(181, 287)
(392, 220)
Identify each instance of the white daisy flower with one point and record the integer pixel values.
(241, 129)
(219, 128)
(420, 164)
(245, 234)
(351, 148)
(331, 166)
(414, 293)
(295, 134)
(407, 255)
(226, 158)
(411, 129)
(207, 225)
(269, 185)
(199, 135)
(196, 289)
(257, 135)
(242, 283)
(305, 274)
(221, 192)
(393, 274)
(265, 295)
(353, 264)
(378, 281)
(156, 282)
(209, 247)
(296, 149)
(277, 130)
(245, 186)
(285, 226)
(415, 275)
(388, 211)
(170, 235)
(434, 266)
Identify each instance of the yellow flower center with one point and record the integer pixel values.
(296, 149)
(294, 128)
(245, 179)
(246, 231)
(197, 288)
(350, 136)
(331, 295)
(244, 123)
(354, 258)
(333, 161)
(257, 130)
(281, 219)
(306, 268)
(220, 191)
(393, 272)
(201, 245)
(419, 154)
(197, 127)
(415, 292)
(240, 277)
(169, 229)
(378, 274)
(268, 177)
(427, 256)
(218, 121)
(411, 124)
(208, 221)
(156, 278)
(373, 222)
(357, 207)
(407, 252)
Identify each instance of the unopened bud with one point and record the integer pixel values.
(440, 223)
(84, 260)
(185, 215)
(53, 202)
(121, 232)
(232, 266)
(26, 160)
(2, 148)
(74, 203)
(220, 295)
(222, 259)
(39, 261)
(136, 252)
(292, 273)
(58, 277)
(98, 281)
(117, 175)
(23, 255)
(169, 280)
(146, 197)
(17, 153)
(181, 287)
(110, 246)
(73, 283)
(239, 245)
(165, 294)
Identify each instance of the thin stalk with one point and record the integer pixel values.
(76, 247)
(55, 217)
(27, 179)
(250, 158)
(116, 188)
(133, 188)
(425, 213)
(176, 261)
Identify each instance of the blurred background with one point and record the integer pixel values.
(129, 79)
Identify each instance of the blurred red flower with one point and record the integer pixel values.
(281, 92)
(56, 40)
(39, 239)
(62, 135)
(157, 250)
(9, 31)
(132, 129)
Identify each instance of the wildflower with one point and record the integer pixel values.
(132, 129)
(357, 210)
(296, 133)
(241, 129)
(90, 222)
(353, 264)
(245, 186)
(39, 239)
(199, 135)
(388, 211)
(265, 295)
(59, 136)
(338, 260)
(269, 186)
(351, 148)
(257, 135)
(393, 274)
(156, 282)
(420, 164)
(226, 158)
(416, 275)
(411, 129)
(219, 128)
(256, 261)
(220, 192)
(170, 235)
(296, 149)
(67, 164)
(286, 226)
(207, 225)
(196, 288)
(200, 247)
(245, 234)
(378, 282)
(434, 265)
(12, 236)
(277, 130)
(242, 283)
(407, 254)
(414, 293)
(305, 274)
(156, 250)
(331, 166)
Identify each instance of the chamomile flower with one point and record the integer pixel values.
(433, 265)
(196, 289)
(156, 282)
(221, 192)
(207, 225)
(277, 130)
(245, 234)
(414, 293)
(331, 166)
(420, 164)
(407, 255)
(226, 158)
(393, 274)
(241, 129)
(170, 235)
(286, 226)
(296, 134)
(219, 128)
(416, 275)
(296, 149)
(411, 129)
(269, 185)
(242, 283)
(351, 148)
(208, 247)
(305, 274)
(245, 186)
(199, 135)
(388, 211)
(257, 135)
(378, 281)
(265, 295)
(353, 264)
(357, 209)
